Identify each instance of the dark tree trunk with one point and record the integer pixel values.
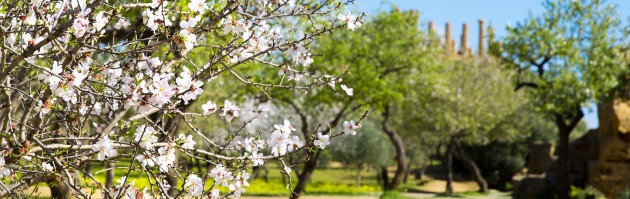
(109, 175)
(310, 165)
(256, 171)
(449, 169)
(266, 176)
(408, 170)
(305, 175)
(58, 187)
(172, 127)
(419, 174)
(378, 177)
(563, 165)
(384, 178)
(88, 168)
(401, 167)
(359, 176)
(172, 177)
(472, 167)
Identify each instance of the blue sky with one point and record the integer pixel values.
(497, 13)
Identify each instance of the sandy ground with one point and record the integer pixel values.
(439, 186)
(411, 195)
(314, 197)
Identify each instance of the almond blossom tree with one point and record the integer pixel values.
(88, 81)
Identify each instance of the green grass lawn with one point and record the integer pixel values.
(333, 181)
(324, 181)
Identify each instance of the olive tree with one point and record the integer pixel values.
(567, 57)
(382, 55)
(369, 149)
(468, 97)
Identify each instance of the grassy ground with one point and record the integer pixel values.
(334, 182)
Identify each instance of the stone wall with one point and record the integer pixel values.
(600, 158)
(530, 182)
(609, 170)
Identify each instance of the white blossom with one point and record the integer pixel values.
(145, 136)
(51, 77)
(198, 6)
(145, 161)
(150, 19)
(187, 142)
(104, 147)
(28, 40)
(166, 158)
(101, 21)
(257, 159)
(122, 24)
(190, 23)
(31, 18)
(352, 21)
(194, 185)
(215, 194)
(294, 143)
(4, 171)
(322, 141)
(221, 176)
(46, 167)
(350, 127)
(189, 39)
(209, 108)
(81, 24)
(229, 111)
(349, 91)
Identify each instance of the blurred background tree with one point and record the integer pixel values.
(368, 149)
(568, 57)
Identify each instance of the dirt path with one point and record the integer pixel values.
(439, 186)
(311, 197)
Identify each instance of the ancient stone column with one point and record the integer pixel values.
(452, 48)
(463, 49)
(430, 33)
(481, 50)
(447, 39)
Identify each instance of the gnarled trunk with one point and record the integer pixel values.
(172, 126)
(384, 177)
(58, 187)
(109, 176)
(311, 164)
(401, 167)
(305, 175)
(449, 168)
(472, 167)
(562, 169)
(408, 170)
